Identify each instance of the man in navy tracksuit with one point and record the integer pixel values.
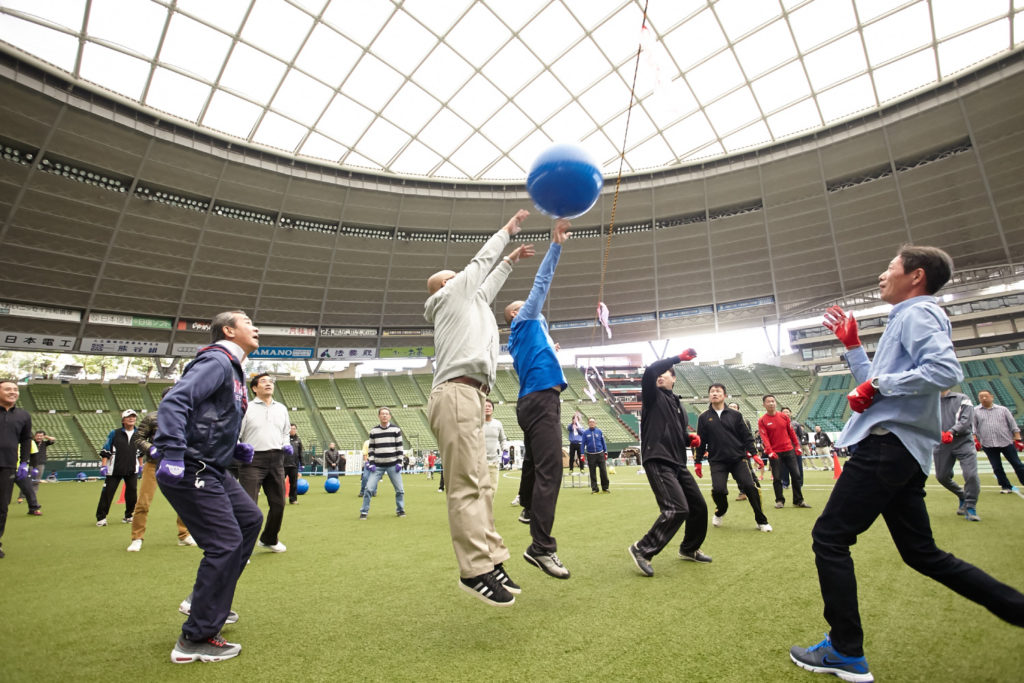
(198, 439)
(597, 453)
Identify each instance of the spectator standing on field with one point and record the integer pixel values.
(384, 456)
(999, 437)
(597, 455)
(783, 448)
(121, 462)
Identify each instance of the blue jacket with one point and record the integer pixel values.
(533, 352)
(200, 417)
(577, 435)
(593, 441)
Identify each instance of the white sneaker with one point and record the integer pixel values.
(135, 546)
(277, 547)
(716, 520)
(188, 540)
(102, 522)
(764, 527)
(186, 608)
(515, 501)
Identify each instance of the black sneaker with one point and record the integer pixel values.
(400, 513)
(487, 588)
(695, 556)
(214, 649)
(524, 516)
(641, 562)
(502, 577)
(548, 563)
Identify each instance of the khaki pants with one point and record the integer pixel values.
(456, 415)
(147, 487)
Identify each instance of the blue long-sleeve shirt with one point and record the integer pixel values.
(593, 441)
(914, 362)
(533, 352)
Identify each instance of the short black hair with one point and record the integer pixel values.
(766, 397)
(256, 380)
(936, 264)
(720, 386)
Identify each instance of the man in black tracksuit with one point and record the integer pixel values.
(663, 448)
(727, 440)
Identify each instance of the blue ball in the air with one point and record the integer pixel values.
(564, 181)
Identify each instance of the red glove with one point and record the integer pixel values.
(843, 325)
(773, 456)
(798, 451)
(977, 444)
(1019, 445)
(694, 440)
(758, 460)
(688, 354)
(860, 398)
(947, 437)
(698, 469)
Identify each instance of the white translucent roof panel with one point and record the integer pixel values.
(471, 90)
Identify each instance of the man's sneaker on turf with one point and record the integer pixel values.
(962, 507)
(126, 520)
(36, 513)
(742, 496)
(214, 649)
(716, 520)
(1005, 490)
(825, 659)
(779, 504)
(801, 504)
(186, 608)
(276, 547)
(101, 522)
(515, 501)
(548, 563)
(188, 540)
(641, 562)
(487, 588)
(400, 513)
(362, 515)
(502, 577)
(695, 556)
(971, 515)
(524, 516)
(135, 546)
(766, 527)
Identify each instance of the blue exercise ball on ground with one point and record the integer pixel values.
(564, 181)
(301, 486)
(332, 485)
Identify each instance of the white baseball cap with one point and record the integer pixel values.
(129, 413)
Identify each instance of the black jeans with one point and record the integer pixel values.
(596, 461)
(110, 485)
(787, 462)
(292, 475)
(266, 470)
(539, 416)
(720, 472)
(574, 455)
(883, 478)
(1010, 453)
(679, 500)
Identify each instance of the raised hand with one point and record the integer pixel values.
(688, 354)
(843, 325)
(522, 251)
(561, 232)
(515, 224)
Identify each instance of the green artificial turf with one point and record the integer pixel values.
(377, 599)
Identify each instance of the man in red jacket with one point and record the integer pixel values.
(782, 446)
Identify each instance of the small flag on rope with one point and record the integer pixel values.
(602, 315)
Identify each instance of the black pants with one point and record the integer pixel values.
(110, 485)
(596, 461)
(539, 416)
(292, 474)
(224, 522)
(28, 490)
(1010, 453)
(679, 500)
(266, 470)
(883, 478)
(574, 456)
(739, 470)
(786, 463)
(6, 489)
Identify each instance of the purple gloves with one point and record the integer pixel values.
(34, 472)
(170, 471)
(370, 467)
(22, 471)
(154, 453)
(104, 471)
(398, 468)
(244, 452)
(288, 450)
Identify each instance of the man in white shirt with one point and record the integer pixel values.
(265, 427)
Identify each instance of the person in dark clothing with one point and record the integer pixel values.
(15, 435)
(200, 419)
(292, 464)
(726, 439)
(575, 430)
(38, 459)
(121, 462)
(663, 449)
(597, 454)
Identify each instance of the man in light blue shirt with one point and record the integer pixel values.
(538, 409)
(894, 428)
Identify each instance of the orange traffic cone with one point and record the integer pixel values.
(837, 469)
(120, 498)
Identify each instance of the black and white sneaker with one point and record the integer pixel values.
(487, 588)
(695, 556)
(548, 563)
(214, 649)
(502, 577)
(641, 562)
(524, 516)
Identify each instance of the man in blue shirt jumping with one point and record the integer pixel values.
(891, 434)
(538, 409)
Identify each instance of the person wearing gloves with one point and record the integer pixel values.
(293, 464)
(663, 453)
(726, 440)
(597, 453)
(957, 445)
(782, 447)
(15, 451)
(575, 430)
(143, 442)
(265, 427)
(200, 419)
(384, 456)
(121, 461)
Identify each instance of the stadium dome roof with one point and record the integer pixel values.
(472, 90)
